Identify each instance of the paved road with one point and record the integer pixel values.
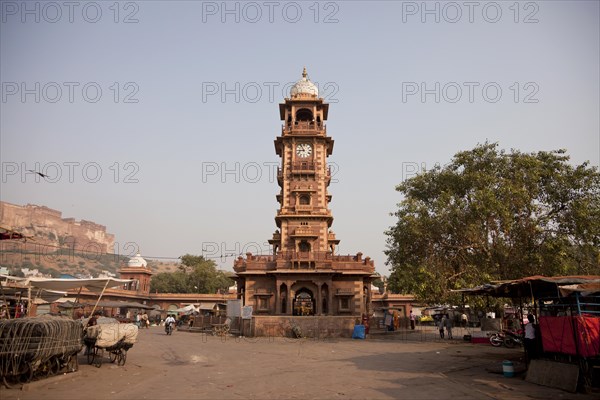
(192, 365)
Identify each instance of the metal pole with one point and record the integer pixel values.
(29, 301)
(99, 297)
(76, 302)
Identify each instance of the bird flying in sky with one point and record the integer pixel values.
(39, 173)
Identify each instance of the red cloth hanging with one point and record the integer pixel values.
(557, 335)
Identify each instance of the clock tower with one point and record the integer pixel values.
(304, 217)
(304, 275)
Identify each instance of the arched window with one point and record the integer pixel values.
(304, 246)
(304, 114)
(305, 199)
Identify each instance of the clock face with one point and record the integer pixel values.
(303, 150)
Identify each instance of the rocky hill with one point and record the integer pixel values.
(60, 245)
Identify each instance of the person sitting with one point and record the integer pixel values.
(94, 319)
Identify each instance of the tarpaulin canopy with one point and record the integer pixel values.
(186, 310)
(585, 289)
(93, 284)
(12, 278)
(70, 304)
(67, 284)
(9, 234)
(534, 286)
(207, 306)
(49, 296)
(124, 304)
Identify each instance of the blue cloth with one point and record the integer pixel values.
(359, 332)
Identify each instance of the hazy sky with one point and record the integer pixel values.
(157, 118)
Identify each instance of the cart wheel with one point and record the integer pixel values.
(113, 356)
(48, 368)
(122, 357)
(98, 355)
(54, 365)
(8, 382)
(43, 370)
(72, 363)
(14, 381)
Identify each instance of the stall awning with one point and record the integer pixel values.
(67, 284)
(49, 296)
(187, 309)
(539, 286)
(207, 306)
(124, 304)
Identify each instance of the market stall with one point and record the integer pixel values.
(568, 311)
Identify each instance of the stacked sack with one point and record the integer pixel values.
(108, 335)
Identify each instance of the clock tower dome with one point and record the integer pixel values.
(304, 275)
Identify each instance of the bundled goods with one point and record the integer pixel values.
(109, 335)
(27, 343)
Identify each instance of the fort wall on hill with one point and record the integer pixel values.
(48, 224)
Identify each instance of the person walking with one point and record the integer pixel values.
(145, 321)
(449, 327)
(442, 324)
(412, 320)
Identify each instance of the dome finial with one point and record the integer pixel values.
(304, 87)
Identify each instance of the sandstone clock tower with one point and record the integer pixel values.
(304, 218)
(304, 276)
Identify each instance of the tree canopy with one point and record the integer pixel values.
(195, 275)
(492, 215)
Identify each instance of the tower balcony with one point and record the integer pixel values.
(276, 238)
(304, 128)
(303, 207)
(332, 239)
(305, 232)
(254, 263)
(304, 167)
(332, 261)
(316, 260)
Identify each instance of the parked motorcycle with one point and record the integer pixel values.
(497, 339)
(511, 339)
(507, 338)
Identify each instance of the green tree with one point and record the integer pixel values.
(195, 275)
(492, 215)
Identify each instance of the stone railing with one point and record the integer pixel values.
(304, 127)
(321, 260)
(305, 231)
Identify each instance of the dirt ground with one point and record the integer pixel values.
(196, 366)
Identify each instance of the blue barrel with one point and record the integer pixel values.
(508, 369)
(359, 332)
